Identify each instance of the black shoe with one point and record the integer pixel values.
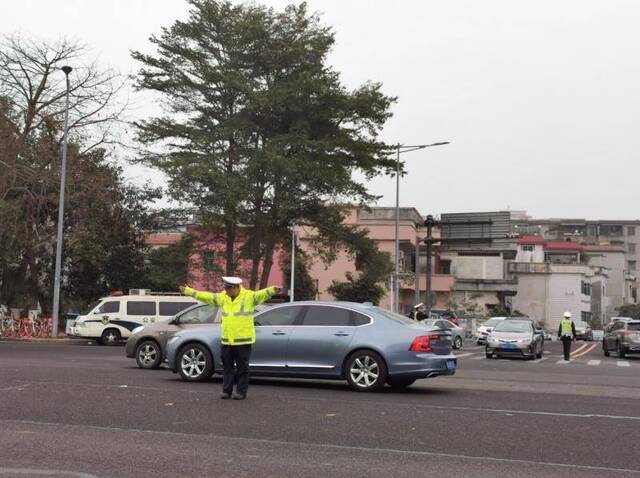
(239, 396)
(225, 396)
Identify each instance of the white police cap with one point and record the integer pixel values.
(232, 280)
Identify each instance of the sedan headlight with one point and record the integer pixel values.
(79, 324)
(492, 339)
(524, 341)
(137, 329)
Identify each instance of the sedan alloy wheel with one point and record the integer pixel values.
(366, 371)
(195, 362)
(148, 355)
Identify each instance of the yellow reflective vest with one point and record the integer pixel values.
(237, 314)
(566, 330)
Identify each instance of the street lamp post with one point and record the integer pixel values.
(293, 262)
(396, 277)
(59, 239)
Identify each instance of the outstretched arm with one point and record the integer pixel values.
(263, 295)
(205, 297)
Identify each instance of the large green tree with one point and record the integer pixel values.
(259, 132)
(372, 265)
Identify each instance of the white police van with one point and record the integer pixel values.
(113, 318)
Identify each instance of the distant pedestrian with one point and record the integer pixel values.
(567, 333)
(237, 306)
(419, 312)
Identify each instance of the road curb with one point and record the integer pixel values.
(47, 340)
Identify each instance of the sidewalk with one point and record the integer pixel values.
(47, 340)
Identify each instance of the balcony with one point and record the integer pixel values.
(439, 282)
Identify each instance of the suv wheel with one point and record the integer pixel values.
(110, 337)
(457, 342)
(195, 363)
(148, 354)
(366, 371)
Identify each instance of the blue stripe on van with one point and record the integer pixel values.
(125, 323)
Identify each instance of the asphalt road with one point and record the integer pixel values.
(78, 410)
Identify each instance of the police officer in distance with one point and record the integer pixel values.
(237, 306)
(567, 333)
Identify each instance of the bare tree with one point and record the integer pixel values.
(32, 105)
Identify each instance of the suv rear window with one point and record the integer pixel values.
(141, 308)
(172, 308)
(633, 326)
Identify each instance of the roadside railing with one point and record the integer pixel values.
(25, 328)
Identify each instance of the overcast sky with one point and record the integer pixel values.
(540, 99)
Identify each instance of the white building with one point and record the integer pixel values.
(553, 277)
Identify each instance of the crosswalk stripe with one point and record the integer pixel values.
(562, 361)
(623, 363)
(593, 362)
(479, 357)
(464, 355)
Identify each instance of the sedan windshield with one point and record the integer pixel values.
(581, 324)
(492, 322)
(430, 323)
(513, 326)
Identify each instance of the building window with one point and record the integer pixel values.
(585, 288)
(631, 248)
(445, 267)
(631, 231)
(208, 260)
(585, 316)
(631, 265)
(611, 230)
(528, 248)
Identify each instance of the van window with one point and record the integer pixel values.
(141, 308)
(110, 307)
(172, 308)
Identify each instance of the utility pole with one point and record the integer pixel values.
(293, 262)
(395, 284)
(417, 293)
(60, 236)
(429, 223)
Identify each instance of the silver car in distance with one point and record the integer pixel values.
(365, 345)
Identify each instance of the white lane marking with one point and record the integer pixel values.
(547, 352)
(330, 446)
(33, 472)
(593, 362)
(563, 361)
(623, 363)
(479, 357)
(464, 355)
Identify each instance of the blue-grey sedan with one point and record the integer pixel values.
(365, 345)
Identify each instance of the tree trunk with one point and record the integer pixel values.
(268, 262)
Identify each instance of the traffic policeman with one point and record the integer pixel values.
(237, 307)
(567, 333)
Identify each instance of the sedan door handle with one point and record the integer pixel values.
(341, 334)
(279, 332)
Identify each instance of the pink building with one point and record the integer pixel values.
(207, 260)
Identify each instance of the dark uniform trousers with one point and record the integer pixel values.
(235, 356)
(566, 346)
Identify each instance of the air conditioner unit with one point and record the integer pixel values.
(139, 291)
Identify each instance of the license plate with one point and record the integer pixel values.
(508, 346)
(451, 364)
